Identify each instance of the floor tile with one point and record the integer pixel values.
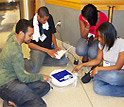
(67, 97)
(1, 102)
(101, 101)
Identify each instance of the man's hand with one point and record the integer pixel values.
(52, 53)
(46, 77)
(77, 68)
(57, 49)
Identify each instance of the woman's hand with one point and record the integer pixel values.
(88, 25)
(77, 68)
(91, 41)
(94, 71)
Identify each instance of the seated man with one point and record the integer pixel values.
(25, 90)
(41, 52)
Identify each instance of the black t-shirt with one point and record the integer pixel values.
(48, 41)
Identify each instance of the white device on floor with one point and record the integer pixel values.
(61, 53)
(63, 78)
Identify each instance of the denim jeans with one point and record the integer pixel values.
(109, 83)
(25, 95)
(39, 58)
(82, 49)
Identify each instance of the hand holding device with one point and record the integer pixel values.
(90, 40)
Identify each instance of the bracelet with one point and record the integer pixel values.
(86, 28)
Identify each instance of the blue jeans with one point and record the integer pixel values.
(39, 59)
(82, 49)
(109, 83)
(25, 95)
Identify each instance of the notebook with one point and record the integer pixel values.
(61, 53)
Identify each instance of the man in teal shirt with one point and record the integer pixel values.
(23, 89)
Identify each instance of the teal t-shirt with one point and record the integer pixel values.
(12, 63)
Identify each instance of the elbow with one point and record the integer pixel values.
(118, 67)
(98, 61)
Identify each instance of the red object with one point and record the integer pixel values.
(102, 18)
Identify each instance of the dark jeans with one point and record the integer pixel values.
(25, 95)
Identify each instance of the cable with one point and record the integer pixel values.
(62, 43)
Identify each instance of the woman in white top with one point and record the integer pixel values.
(108, 79)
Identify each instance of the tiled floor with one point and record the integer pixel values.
(80, 96)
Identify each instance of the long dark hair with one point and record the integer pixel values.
(90, 13)
(108, 33)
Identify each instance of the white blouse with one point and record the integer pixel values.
(111, 56)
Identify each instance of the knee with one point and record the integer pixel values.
(35, 70)
(64, 61)
(36, 102)
(115, 78)
(97, 88)
(47, 87)
(31, 67)
(92, 54)
(81, 51)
